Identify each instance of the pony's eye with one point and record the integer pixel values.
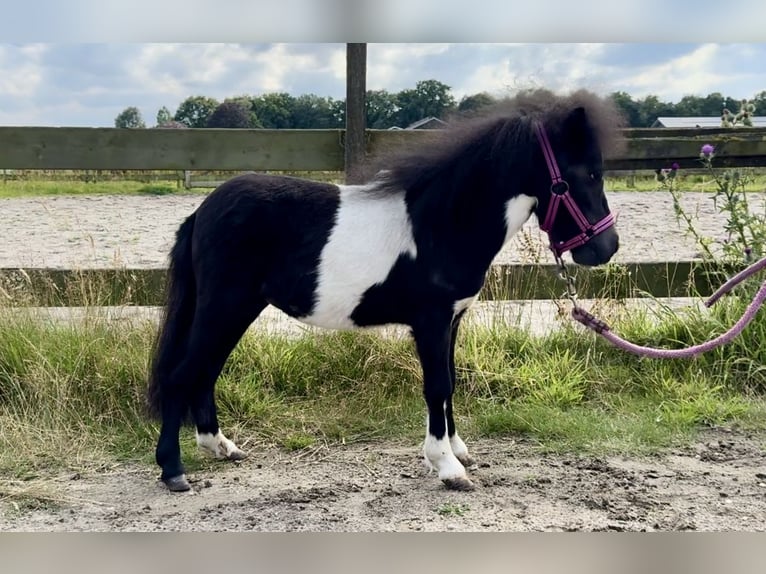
(595, 176)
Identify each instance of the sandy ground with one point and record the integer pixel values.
(716, 484)
(132, 231)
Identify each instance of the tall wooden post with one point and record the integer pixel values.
(356, 118)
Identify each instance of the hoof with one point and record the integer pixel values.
(467, 460)
(236, 454)
(461, 484)
(177, 483)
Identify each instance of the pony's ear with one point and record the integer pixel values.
(576, 128)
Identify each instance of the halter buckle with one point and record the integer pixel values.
(560, 187)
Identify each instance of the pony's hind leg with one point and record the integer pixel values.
(226, 323)
(433, 336)
(217, 327)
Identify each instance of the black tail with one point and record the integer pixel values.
(180, 303)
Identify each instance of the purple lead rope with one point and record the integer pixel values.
(600, 327)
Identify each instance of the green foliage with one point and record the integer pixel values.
(247, 103)
(164, 116)
(741, 118)
(473, 103)
(642, 113)
(274, 110)
(195, 111)
(230, 114)
(315, 112)
(129, 118)
(745, 225)
(452, 509)
(381, 109)
(429, 98)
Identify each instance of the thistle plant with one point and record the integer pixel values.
(745, 228)
(741, 118)
(666, 178)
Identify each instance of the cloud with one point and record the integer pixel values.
(559, 67)
(21, 71)
(89, 84)
(734, 70)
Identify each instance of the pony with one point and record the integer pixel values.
(411, 245)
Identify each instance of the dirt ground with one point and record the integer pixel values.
(716, 484)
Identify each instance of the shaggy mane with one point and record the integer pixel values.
(502, 130)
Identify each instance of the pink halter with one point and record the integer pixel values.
(560, 193)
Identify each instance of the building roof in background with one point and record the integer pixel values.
(700, 122)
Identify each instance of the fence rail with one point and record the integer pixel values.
(40, 287)
(315, 150)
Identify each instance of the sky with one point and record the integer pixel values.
(88, 84)
(81, 62)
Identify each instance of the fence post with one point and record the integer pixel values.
(356, 82)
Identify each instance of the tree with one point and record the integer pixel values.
(164, 116)
(473, 103)
(247, 103)
(129, 118)
(381, 109)
(275, 111)
(650, 108)
(430, 98)
(759, 101)
(313, 112)
(628, 107)
(230, 114)
(195, 111)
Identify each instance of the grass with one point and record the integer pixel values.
(63, 182)
(684, 182)
(37, 188)
(452, 509)
(71, 394)
(74, 184)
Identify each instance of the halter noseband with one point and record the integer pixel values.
(560, 193)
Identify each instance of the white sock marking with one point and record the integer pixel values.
(217, 445)
(371, 232)
(458, 447)
(438, 455)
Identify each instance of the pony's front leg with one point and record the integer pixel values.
(433, 334)
(459, 448)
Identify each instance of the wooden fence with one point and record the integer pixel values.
(316, 150)
(323, 150)
(145, 287)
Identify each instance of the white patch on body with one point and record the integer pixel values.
(517, 211)
(463, 304)
(218, 445)
(371, 232)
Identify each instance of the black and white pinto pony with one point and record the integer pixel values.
(411, 246)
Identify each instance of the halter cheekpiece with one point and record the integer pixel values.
(560, 194)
